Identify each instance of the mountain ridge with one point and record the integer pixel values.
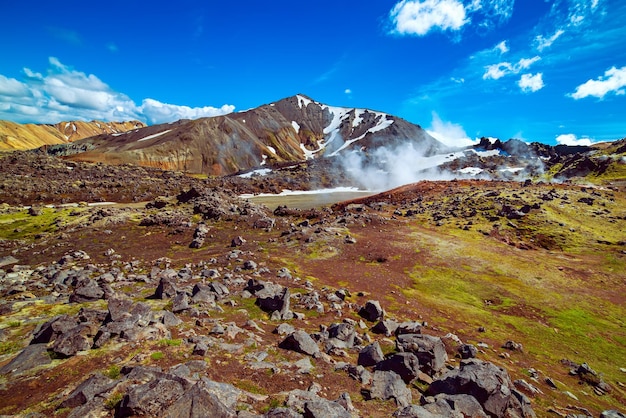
(292, 129)
(16, 136)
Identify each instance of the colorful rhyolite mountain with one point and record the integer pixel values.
(15, 136)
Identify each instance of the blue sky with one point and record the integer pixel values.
(552, 71)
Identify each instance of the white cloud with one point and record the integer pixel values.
(613, 81)
(347, 91)
(531, 83)
(157, 112)
(66, 94)
(419, 17)
(448, 133)
(12, 87)
(502, 47)
(571, 139)
(542, 43)
(496, 71)
(415, 17)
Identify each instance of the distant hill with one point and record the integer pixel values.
(15, 136)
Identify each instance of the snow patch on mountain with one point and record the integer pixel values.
(295, 125)
(153, 136)
(303, 101)
(471, 170)
(357, 117)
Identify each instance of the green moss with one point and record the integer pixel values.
(166, 342)
(157, 355)
(113, 372)
(9, 347)
(249, 386)
(113, 401)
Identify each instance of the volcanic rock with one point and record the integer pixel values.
(489, 384)
(301, 342)
(389, 385)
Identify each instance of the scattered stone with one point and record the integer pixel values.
(249, 265)
(323, 408)
(527, 387)
(200, 401)
(238, 241)
(304, 365)
(489, 384)
(467, 351)
(152, 397)
(404, 364)
(551, 383)
(30, 357)
(389, 385)
(412, 327)
(8, 260)
(301, 342)
(387, 327)
(284, 329)
(88, 389)
(180, 303)
(166, 288)
(612, 414)
(513, 346)
(87, 290)
(430, 350)
(372, 311)
(370, 355)
(199, 235)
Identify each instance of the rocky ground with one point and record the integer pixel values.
(462, 298)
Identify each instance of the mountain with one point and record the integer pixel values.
(15, 136)
(293, 129)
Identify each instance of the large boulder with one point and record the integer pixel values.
(95, 385)
(87, 290)
(166, 288)
(430, 350)
(199, 402)
(372, 311)
(301, 342)
(30, 357)
(404, 364)
(370, 355)
(323, 408)
(71, 342)
(153, 397)
(489, 384)
(389, 385)
(340, 336)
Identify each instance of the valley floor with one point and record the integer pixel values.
(532, 275)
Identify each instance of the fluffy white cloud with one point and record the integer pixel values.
(347, 91)
(571, 139)
(531, 83)
(542, 42)
(157, 112)
(496, 71)
(448, 133)
(420, 17)
(66, 94)
(12, 87)
(613, 81)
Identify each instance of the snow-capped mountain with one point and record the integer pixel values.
(293, 129)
